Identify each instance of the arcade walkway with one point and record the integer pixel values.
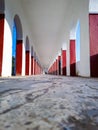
(48, 102)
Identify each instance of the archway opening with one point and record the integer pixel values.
(14, 51)
(77, 48)
(19, 45)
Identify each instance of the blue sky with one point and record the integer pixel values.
(78, 42)
(14, 41)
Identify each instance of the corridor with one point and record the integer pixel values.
(48, 64)
(47, 102)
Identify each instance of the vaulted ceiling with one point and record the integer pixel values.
(46, 19)
(48, 23)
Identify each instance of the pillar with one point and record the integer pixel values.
(93, 28)
(63, 62)
(72, 58)
(27, 62)
(56, 66)
(31, 65)
(59, 65)
(2, 17)
(34, 66)
(19, 45)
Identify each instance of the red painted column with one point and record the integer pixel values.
(53, 68)
(19, 57)
(93, 30)
(2, 18)
(63, 62)
(59, 65)
(72, 58)
(50, 70)
(27, 62)
(31, 65)
(56, 66)
(34, 67)
(37, 68)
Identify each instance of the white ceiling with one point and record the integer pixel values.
(46, 19)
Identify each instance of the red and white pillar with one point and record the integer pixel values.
(34, 66)
(19, 48)
(63, 59)
(32, 60)
(93, 28)
(63, 62)
(2, 19)
(56, 66)
(59, 64)
(72, 57)
(27, 62)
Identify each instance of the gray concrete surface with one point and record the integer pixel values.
(48, 103)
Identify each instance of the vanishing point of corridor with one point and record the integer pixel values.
(48, 102)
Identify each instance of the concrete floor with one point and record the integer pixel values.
(48, 103)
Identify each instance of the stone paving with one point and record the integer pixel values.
(49, 103)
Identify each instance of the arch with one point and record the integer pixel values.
(2, 19)
(27, 58)
(19, 45)
(18, 27)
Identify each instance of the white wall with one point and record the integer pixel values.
(7, 50)
(93, 6)
(79, 10)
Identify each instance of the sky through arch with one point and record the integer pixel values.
(78, 42)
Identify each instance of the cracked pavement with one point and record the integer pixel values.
(48, 102)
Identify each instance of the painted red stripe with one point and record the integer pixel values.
(93, 30)
(19, 57)
(27, 62)
(72, 58)
(63, 62)
(59, 65)
(31, 65)
(2, 17)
